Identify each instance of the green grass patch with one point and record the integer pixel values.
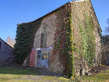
(103, 76)
(21, 74)
(11, 73)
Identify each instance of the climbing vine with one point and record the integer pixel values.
(63, 40)
(68, 42)
(87, 40)
(24, 40)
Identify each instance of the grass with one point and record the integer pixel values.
(12, 72)
(22, 74)
(102, 76)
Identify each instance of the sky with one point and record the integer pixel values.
(13, 12)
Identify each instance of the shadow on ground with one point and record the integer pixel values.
(22, 70)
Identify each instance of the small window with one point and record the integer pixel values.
(39, 54)
(45, 54)
(43, 40)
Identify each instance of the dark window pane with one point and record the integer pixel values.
(43, 40)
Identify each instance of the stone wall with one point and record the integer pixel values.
(47, 25)
(6, 54)
(50, 23)
(79, 9)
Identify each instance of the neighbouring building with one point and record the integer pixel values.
(105, 57)
(6, 53)
(66, 39)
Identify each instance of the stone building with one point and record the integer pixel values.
(71, 28)
(6, 53)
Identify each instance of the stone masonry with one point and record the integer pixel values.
(49, 25)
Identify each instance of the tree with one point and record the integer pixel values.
(10, 41)
(107, 28)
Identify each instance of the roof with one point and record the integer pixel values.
(63, 6)
(5, 43)
(50, 12)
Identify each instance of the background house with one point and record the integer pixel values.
(105, 57)
(6, 53)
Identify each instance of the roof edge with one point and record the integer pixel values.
(48, 13)
(7, 43)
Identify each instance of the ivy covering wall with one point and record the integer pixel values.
(70, 41)
(24, 40)
(88, 46)
(74, 39)
(63, 39)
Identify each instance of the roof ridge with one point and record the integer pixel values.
(5, 42)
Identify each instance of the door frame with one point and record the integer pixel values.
(49, 48)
